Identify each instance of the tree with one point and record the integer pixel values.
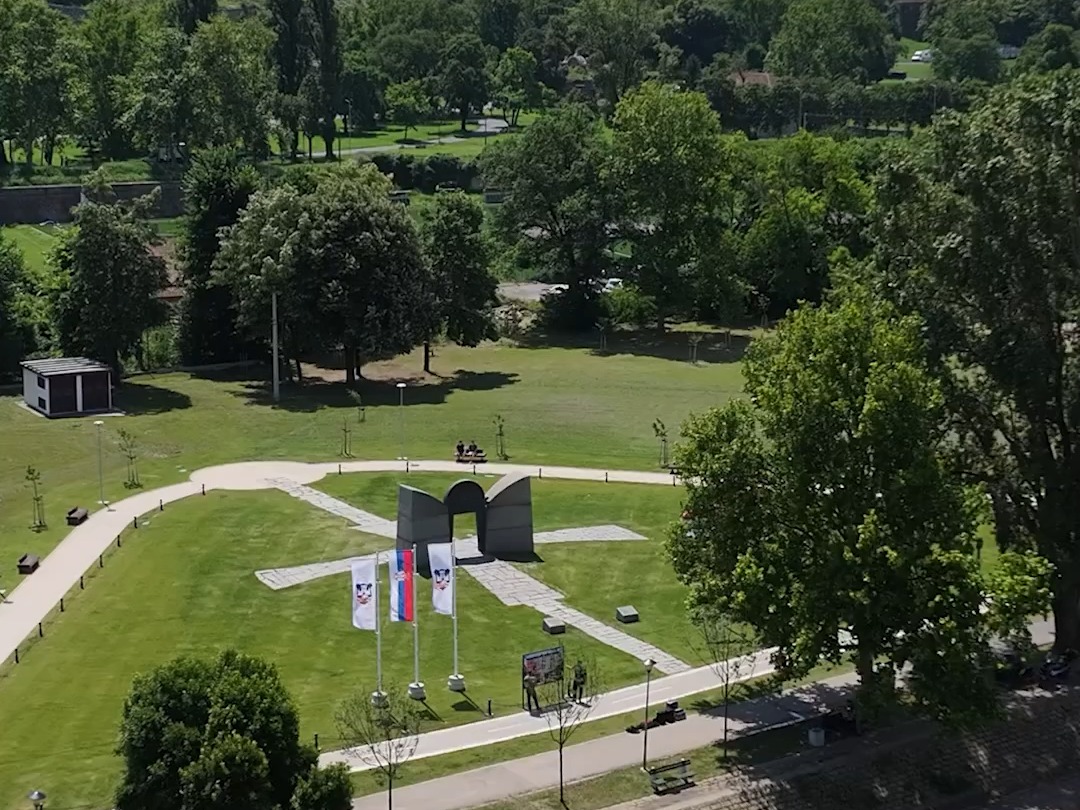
(729, 648)
(822, 511)
(498, 22)
(833, 39)
(514, 84)
(464, 288)
(363, 87)
(965, 44)
(700, 29)
(558, 205)
(565, 713)
(407, 104)
(383, 736)
(669, 160)
(229, 64)
(1051, 49)
(111, 41)
(978, 232)
(324, 789)
(216, 188)
(327, 58)
(160, 111)
(108, 281)
(463, 75)
(290, 22)
(16, 339)
(187, 14)
(208, 735)
(614, 36)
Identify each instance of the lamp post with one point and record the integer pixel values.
(100, 474)
(649, 664)
(401, 418)
(38, 799)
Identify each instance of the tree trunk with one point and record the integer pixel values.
(562, 799)
(49, 149)
(350, 365)
(390, 791)
(427, 357)
(329, 132)
(299, 372)
(1067, 613)
(464, 116)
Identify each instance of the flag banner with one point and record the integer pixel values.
(442, 578)
(401, 585)
(364, 609)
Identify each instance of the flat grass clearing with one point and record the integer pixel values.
(183, 583)
(916, 70)
(562, 404)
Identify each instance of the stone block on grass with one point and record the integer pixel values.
(627, 614)
(553, 626)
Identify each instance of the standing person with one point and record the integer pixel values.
(579, 681)
(531, 700)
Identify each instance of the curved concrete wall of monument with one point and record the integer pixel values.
(40, 592)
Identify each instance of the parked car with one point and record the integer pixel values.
(611, 284)
(923, 56)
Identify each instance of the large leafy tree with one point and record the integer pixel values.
(202, 735)
(1053, 48)
(979, 232)
(216, 188)
(187, 14)
(515, 86)
(229, 63)
(326, 54)
(833, 39)
(407, 104)
(290, 22)
(559, 202)
(615, 37)
(669, 161)
(457, 252)
(463, 75)
(161, 107)
(107, 282)
(965, 43)
(822, 510)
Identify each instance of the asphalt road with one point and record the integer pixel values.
(1061, 795)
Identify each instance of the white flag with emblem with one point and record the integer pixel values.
(364, 607)
(441, 557)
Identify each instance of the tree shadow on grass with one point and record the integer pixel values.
(315, 395)
(713, 347)
(138, 398)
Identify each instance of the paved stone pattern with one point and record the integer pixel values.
(514, 587)
(365, 521)
(588, 534)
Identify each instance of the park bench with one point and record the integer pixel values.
(670, 778)
(76, 515)
(470, 458)
(28, 563)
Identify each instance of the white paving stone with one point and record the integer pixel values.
(364, 521)
(587, 534)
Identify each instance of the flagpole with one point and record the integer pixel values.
(416, 688)
(379, 698)
(457, 680)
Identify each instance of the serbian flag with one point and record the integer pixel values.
(401, 586)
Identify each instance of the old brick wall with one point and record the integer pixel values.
(36, 204)
(917, 766)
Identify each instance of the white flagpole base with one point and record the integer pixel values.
(416, 691)
(378, 699)
(456, 683)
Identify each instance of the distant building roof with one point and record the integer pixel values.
(63, 365)
(759, 77)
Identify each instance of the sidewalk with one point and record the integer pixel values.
(605, 754)
(522, 724)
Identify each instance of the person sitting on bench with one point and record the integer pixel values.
(460, 449)
(472, 449)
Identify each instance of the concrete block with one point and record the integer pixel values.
(553, 627)
(627, 614)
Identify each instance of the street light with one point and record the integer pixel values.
(401, 418)
(38, 798)
(649, 664)
(100, 475)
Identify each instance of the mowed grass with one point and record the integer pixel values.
(183, 584)
(561, 405)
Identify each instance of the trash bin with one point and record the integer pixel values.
(817, 737)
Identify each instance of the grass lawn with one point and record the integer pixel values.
(183, 584)
(562, 405)
(908, 46)
(916, 70)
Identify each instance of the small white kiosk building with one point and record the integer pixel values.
(67, 386)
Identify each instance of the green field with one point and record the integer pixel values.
(183, 583)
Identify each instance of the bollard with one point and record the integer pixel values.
(61, 604)
(16, 655)
(40, 631)
(135, 522)
(118, 541)
(605, 478)
(489, 708)
(316, 741)
(474, 468)
(161, 506)
(100, 562)
(81, 586)
(204, 489)
(339, 473)
(540, 472)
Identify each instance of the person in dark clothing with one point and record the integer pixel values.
(460, 448)
(577, 690)
(531, 700)
(473, 449)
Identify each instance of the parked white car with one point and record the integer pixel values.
(923, 56)
(612, 284)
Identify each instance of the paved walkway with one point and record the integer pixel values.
(39, 593)
(364, 521)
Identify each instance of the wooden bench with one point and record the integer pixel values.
(28, 563)
(470, 458)
(671, 778)
(76, 515)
